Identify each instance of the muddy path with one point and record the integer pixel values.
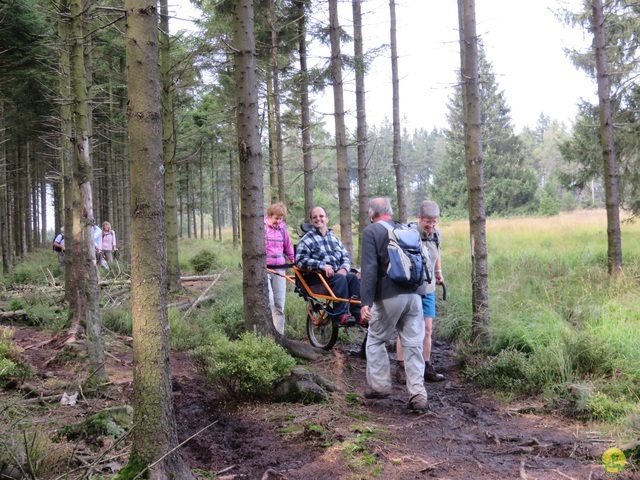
(465, 435)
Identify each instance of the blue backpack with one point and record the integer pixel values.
(407, 265)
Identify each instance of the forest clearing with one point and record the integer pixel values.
(482, 423)
(110, 122)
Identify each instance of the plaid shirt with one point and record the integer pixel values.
(315, 251)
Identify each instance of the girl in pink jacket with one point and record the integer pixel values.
(279, 249)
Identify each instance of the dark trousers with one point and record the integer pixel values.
(343, 286)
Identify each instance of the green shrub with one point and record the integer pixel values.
(548, 206)
(44, 316)
(184, 334)
(16, 304)
(10, 366)
(32, 452)
(204, 261)
(120, 320)
(23, 276)
(588, 354)
(249, 366)
(111, 422)
(602, 408)
(510, 371)
(229, 317)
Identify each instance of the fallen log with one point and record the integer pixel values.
(197, 278)
(200, 299)
(14, 315)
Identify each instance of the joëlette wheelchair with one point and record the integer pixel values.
(323, 328)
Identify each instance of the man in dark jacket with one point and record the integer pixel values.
(389, 306)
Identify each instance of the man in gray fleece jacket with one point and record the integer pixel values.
(389, 306)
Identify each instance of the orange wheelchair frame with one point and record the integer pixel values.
(322, 327)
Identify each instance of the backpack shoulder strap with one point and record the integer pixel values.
(386, 225)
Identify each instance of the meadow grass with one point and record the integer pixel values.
(552, 301)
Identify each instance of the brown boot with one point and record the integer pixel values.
(430, 374)
(401, 377)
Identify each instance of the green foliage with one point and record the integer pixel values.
(230, 316)
(548, 206)
(39, 311)
(46, 317)
(510, 184)
(16, 304)
(111, 422)
(583, 150)
(119, 320)
(557, 315)
(509, 371)
(132, 470)
(359, 450)
(204, 261)
(11, 368)
(31, 451)
(191, 332)
(249, 366)
(588, 354)
(602, 408)
(23, 276)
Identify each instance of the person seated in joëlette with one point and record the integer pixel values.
(322, 251)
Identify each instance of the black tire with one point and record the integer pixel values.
(321, 330)
(354, 340)
(363, 347)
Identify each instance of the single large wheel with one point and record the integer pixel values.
(322, 332)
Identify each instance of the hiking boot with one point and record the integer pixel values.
(374, 394)
(360, 321)
(401, 376)
(347, 320)
(419, 403)
(430, 374)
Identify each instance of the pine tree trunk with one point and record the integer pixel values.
(43, 211)
(361, 118)
(202, 194)
(612, 194)
(4, 220)
(124, 243)
(271, 127)
(155, 433)
(111, 194)
(233, 193)
(257, 314)
(344, 194)
(85, 267)
(214, 188)
(187, 194)
(397, 142)
(170, 175)
(475, 174)
(305, 121)
(276, 100)
(65, 208)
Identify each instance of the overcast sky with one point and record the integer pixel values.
(522, 39)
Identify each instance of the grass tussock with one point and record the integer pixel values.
(557, 317)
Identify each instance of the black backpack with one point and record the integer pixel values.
(57, 249)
